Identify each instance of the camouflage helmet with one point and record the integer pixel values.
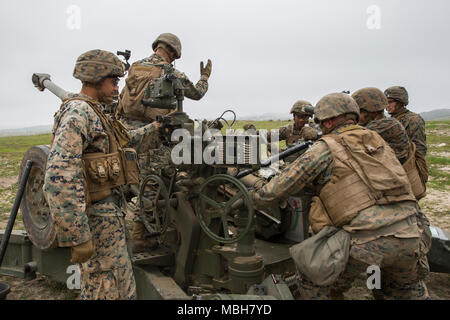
(171, 40)
(304, 107)
(249, 126)
(397, 93)
(94, 65)
(370, 99)
(335, 104)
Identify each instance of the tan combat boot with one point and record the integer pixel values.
(138, 242)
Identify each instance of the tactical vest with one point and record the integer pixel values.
(130, 106)
(366, 173)
(104, 171)
(412, 170)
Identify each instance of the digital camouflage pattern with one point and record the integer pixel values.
(145, 145)
(94, 65)
(171, 40)
(108, 274)
(304, 107)
(77, 130)
(392, 131)
(313, 170)
(397, 93)
(398, 273)
(415, 128)
(335, 104)
(370, 99)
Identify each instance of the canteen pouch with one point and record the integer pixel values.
(324, 256)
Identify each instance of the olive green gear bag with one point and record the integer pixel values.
(322, 257)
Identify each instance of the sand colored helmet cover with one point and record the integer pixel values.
(335, 104)
(397, 93)
(370, 99)
(94, 65)
(303, 106)
(171, 40)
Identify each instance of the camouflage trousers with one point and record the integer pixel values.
(399, 265)
(108, 275)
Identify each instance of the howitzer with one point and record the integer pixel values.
(202, 217)
(42, 81)
(211, 244)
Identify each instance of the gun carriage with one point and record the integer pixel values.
(211, 241)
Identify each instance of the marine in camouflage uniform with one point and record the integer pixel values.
(302, 111)
(133, 114)
(372, 102)
(94, 230)
(412, 122)
(385, 235)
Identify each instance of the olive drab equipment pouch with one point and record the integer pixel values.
(412, 170)
(324, 256)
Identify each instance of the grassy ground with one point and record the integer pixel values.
(12, 150)
(436, 205)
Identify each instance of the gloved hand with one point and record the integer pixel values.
(205, 72)
(215, 124)
(82, 252)
(309, 133)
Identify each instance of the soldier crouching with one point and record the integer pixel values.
(87, 165)
(360, 188)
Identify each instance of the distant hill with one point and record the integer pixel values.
(26, 131)
(439, 114)
(266, 117)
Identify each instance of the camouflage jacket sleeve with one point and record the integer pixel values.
(143, 136)
(283, 133)
(194, 92)
(416, 132)
(314, 167)
(64, 183)
(309, 133)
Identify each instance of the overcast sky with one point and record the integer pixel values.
(265, 54)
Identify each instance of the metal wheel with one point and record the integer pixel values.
(207, 208)
(151, 191)
(34, 208)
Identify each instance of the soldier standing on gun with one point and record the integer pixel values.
(134, 114)
(376, 207)
(86, 168)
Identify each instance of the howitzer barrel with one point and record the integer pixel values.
(279, 156)
(42, 81)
